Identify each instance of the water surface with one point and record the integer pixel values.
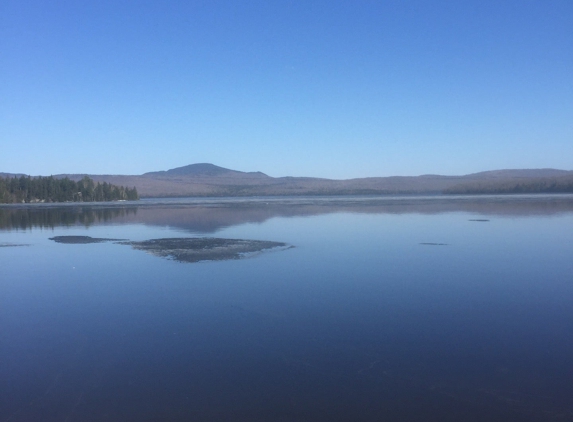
(401, 308)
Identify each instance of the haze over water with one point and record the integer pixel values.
(394, 309)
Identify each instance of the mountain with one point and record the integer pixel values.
(206, 179)
(202, 170)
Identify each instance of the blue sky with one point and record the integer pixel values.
(304, 88)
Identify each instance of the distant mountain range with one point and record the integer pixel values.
(210, 180)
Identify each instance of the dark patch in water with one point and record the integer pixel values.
(479, 219)
(12, 245)
(204, 248)
(78, 240)
(433, 244)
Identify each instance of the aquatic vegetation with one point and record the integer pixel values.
(81, 239)
(204, 248)
(193, 249)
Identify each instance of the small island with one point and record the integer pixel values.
(26, 189)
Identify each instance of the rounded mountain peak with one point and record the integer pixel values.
(200, 169)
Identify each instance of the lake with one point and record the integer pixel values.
(385, 308)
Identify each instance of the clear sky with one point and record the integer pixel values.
(334, 89)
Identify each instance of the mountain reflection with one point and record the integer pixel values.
(211, 215)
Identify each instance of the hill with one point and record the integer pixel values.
(202, 170)
(206, 179)
(557, 182)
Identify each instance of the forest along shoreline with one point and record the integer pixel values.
(26, 189)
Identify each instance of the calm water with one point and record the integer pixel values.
(395, 309)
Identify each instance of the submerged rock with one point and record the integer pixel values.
(204, 248)
(81, 239)
(433, 244)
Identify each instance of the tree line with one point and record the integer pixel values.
(26, 189)
(563, 184)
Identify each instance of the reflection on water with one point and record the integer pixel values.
(210, 215)
(394, 309)
(51, 217)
